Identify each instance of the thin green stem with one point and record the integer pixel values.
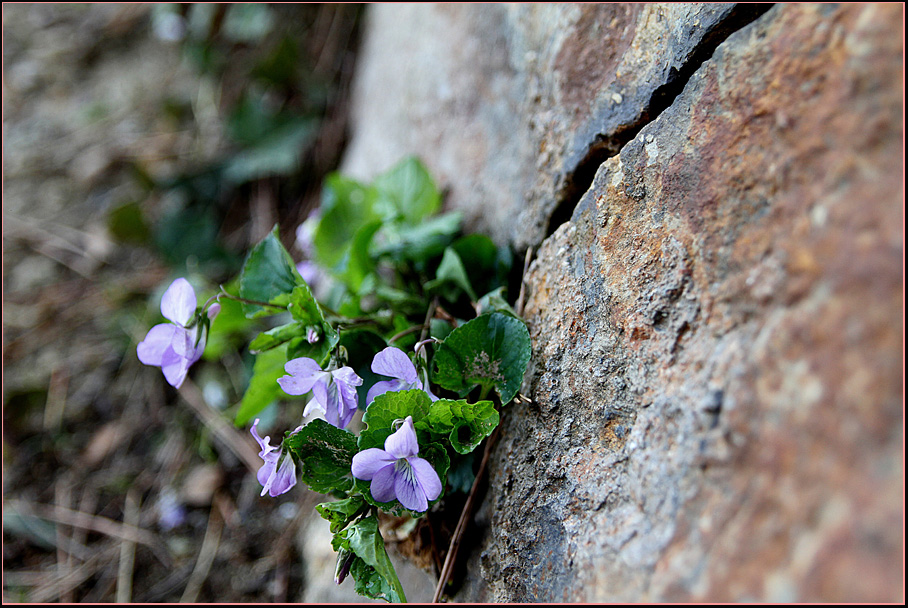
(427, 322)
(483, 392)
(247, 301)
(406, 332)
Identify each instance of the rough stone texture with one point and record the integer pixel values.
(717, 334)
(503, 102)
(717, 366)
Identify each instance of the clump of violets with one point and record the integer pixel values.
(278, 474)
(397, 471)
(333, 392)
(395, 363)
(175, 346)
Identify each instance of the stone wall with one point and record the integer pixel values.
(714, 197)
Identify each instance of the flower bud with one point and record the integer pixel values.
(342, 568)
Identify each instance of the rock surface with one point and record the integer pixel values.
(504, 102)
(717, 344)
(717, 366)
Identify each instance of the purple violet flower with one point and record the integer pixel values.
(310, 272)
(172, 346)
(397, 471)
(334, 392)
(278, 474)
(305, 233)
(395, 363)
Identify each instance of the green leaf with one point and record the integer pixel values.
(385, 409)
(461, 475)
(418, 243)
(304, 308)
(248, 22)
(465, 424)
(279, 153)
(407, 191)
(306, 311)
(263, 387)
(369, 583)
(439, 328)
(277, 336)
(324, 453)
(347, 206)
(320, 352)
(127, 224)
(491, 351)
(476, 250)
(306, 314)
(451, 271)
(228, 329)
(269, 275)
(489, 265)
(359, 264)
(192, 232)
(281, 66)
(494, 301)
(340, 513)
(369, 580)
(366, 542)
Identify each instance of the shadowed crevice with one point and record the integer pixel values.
(605, 146)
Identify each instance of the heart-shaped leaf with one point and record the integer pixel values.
(491, 351)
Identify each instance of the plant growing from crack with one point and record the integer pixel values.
(397, 332)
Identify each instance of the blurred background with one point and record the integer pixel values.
(142, 143)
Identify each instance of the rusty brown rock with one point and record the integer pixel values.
(505, 102)
(717, 365)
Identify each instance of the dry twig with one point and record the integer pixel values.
(521, 297)
(206, 557)
(211, 418)
(95, 523)
(127, 549)
(49, 585)
(464, 518)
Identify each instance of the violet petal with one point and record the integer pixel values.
(395, 363)
(183, 342)
(368, 462)
(304, 373)
(263, 443)
(284, 478)
(426, 477)
(347, 376)
(266, 472)
(382, 486)
(408, 492)
(382, 387)
(402, 443)
(302, 367)
(325, 393)
(151, 349)
(175, 368)
(312, 407)
(178, 303)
